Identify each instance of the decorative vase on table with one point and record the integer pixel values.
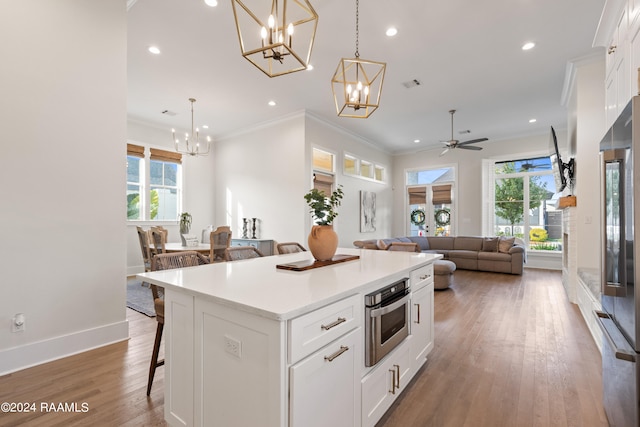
(323, 242)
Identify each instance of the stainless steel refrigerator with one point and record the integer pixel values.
(619, 151)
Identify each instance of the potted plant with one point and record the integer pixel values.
(185, 226)
(323, 240)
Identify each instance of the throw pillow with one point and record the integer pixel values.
(490, 244)
(505, 244)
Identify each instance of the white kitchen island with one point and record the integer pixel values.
(247, 344)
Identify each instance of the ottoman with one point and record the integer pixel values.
(443, 273)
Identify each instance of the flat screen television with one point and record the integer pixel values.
(556, 163)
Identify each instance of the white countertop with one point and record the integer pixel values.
(257, 286)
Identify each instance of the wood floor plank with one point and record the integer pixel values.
(510, 351)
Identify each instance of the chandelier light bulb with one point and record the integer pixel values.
(263, 33)
(290, 30)
(359, 85)
(271, 21)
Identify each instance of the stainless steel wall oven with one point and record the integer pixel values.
(386, 320)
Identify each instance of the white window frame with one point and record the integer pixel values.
(145, 188)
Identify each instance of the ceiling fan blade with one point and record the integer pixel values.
(444, 152)
(473, 141)
(469, 147)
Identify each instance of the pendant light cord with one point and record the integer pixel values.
(357, 30)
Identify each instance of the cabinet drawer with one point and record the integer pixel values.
(313, 331)
(421, 276)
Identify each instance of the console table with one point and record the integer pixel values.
(263, 245)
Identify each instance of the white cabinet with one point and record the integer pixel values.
(618, 84)
(422, 328)
(421, 314)
(382, 385)
(324, 387)
(263, 245)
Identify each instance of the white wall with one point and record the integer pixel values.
(62, 220)
(469, 171)
(260, 174)
(266, 171)
(347, 225)
(589, 130)
(198, 190)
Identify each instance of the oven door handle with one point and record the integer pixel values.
(389, 308)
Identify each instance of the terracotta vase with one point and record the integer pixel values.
(323, 242)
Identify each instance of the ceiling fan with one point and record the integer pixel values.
(454, 143)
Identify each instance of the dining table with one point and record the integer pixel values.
(203, 248)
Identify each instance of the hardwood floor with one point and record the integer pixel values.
(510, 351)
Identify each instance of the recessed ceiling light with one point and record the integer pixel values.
(416, 141)
(205, 126)
(528, 45)
(391, 31)
(533, 120)
(154, 49)
(212, 3)
(272, 103)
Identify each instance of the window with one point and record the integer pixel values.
(430, 201)
(156, 194)
(350, 165)
(366, 169)
(354, 166)
(323, 170)
(523, 203)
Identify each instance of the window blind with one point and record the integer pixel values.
(135, 150)
(417, 195)
(441, 194)
(323, 182)
(166, 156)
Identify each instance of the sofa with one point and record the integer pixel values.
(495, 254)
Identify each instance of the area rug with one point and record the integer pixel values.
(140, 298)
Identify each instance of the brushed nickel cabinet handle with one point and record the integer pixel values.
(393, 381)
(425, 276)
(612, 49)
(397, 375)
(336, 354)
(417, 321)
(333, 324)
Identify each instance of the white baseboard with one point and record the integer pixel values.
(18, 358)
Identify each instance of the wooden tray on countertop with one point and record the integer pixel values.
(312, 263)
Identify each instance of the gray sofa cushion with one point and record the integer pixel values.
(468, 243)
(440, 243)
(422, 242)
(490, 244)
(505, 244)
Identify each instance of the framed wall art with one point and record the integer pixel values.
(367, 211)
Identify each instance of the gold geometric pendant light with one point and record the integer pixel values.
(357, 84)
(276, 36)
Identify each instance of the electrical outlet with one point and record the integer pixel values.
(17, 324)
(232, 346)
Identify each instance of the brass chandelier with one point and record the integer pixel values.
(357, 83)
(276, 38)
(191, 144)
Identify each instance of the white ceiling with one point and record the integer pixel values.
(466, 54)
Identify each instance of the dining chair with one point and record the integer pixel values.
(403, 247)
(143, 237)
(290, 248)
(158, 239)
(220, 239)
(237, 253)
(167, 261)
